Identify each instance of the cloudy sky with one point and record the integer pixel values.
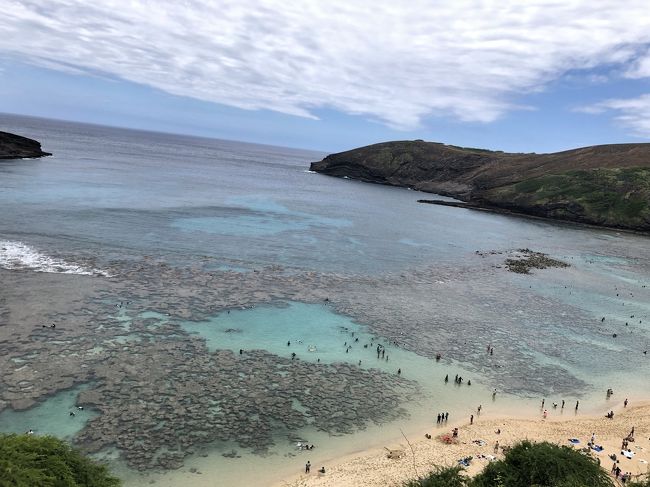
(515, 75)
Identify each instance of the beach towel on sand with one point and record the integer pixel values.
(575, 441)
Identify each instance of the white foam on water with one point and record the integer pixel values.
(20, 256)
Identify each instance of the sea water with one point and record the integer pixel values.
(317, 334)
(111, 194)
(50, 417)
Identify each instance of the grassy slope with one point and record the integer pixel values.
(602, 185)
(614, 197)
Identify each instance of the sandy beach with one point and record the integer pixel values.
(374, 468)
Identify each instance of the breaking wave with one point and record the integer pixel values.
(17, 255)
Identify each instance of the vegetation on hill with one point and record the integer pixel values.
(527, 464)
(603, 185)
(614, 197)
(45, 461)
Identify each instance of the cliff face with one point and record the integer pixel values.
(603, 185)
(16, 147)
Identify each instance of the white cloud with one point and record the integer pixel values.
(640, 67)
(396, 62)
(633, 113)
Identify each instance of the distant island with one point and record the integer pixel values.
(16, 147)
(606, 185)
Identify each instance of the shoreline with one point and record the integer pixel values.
(510, 212)
(371, 467)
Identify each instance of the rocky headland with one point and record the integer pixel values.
(14, 146)
(606, 185)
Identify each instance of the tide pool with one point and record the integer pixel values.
(313, 332)
(51, 417)
(316, 333)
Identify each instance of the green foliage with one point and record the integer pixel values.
(441, 477)
(543, 465)
(608, 196)
(528, 465)
(45, 461)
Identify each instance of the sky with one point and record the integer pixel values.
(519, 76)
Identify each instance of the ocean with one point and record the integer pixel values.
(183, 273)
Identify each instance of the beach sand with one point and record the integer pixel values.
(374, 468)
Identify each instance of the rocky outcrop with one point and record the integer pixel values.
(602, 185)
(17, 147)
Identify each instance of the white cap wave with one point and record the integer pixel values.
(18, 255)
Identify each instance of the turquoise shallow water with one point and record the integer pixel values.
(316, 333)
(313, 332)
(51, 417)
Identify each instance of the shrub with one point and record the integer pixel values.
(528, 465)
(45, 461)
(441, 477)
(543, 464)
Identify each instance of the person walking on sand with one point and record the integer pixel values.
(478, 409)
(625, 403)
(577, 404)
(496, 447)
(471, 419)
(307, 466)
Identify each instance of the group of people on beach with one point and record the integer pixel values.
(458, 380)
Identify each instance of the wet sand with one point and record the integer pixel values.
(374, 468)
